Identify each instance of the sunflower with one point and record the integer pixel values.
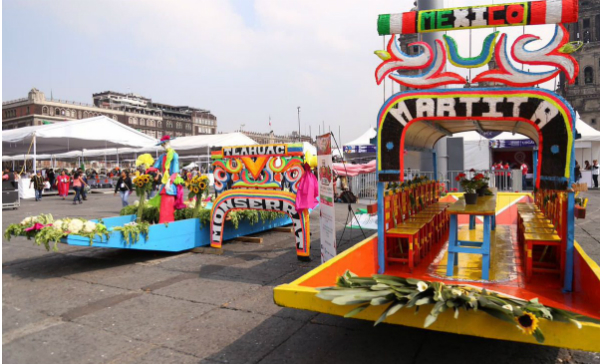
(527, 322)
(195, 189)
(202, 185)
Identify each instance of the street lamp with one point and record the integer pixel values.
(298, 123)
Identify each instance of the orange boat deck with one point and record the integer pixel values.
(506, 276)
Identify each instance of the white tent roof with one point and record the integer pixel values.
(509, 136)
(96, 132)
(470, 136)
(364, 139)
(196, 144)
(307, 147)
(588, 134)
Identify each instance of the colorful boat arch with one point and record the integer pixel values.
(279, 201)
(543, 115)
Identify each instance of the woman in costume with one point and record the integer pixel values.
(168, 165)
(62, 183)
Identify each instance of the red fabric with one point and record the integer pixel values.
(354, 169)
(167, 209)
(409, 22)
(62, 183)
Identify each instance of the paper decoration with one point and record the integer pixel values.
(279, 201)
(434, 75)
(547, 112)
(256, 177)
(472, 62)
(480, 16)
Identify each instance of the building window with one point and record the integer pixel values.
(57, 111)
(169, 125)
(85, 114)
(133, 121)
(159, 124)
(143, 122)
(588, 75)
(593, 121)
(188, 126)
(179, 125)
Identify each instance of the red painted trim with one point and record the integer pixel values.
(409, 22)
(538, 12)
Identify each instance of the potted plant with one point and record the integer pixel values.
(580, 204)
(469, 186)
(482, 183)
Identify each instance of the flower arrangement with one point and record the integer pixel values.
(198, 187)
(398, 292)
(469, 185)
(43, 229)
(142, 185)
(132, 231)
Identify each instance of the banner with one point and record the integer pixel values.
(480, 16)
(511, 143)
(360, 149)
(326, 197)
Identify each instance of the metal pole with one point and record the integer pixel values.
(34, 154)
(299, 123)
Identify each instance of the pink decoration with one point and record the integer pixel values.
(179, 199)
(308, 190)
(37, 226)
(353, 170)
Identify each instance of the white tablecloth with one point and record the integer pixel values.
(25, 192)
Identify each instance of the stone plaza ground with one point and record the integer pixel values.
(91, 305)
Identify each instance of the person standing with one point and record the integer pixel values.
(587, 166)
(51, 178)
(84, 188)
(595, 172)
(577, 172)
(124, 187)
(524, 170)
(62, 184)
(506, 168)
(78, 185)
(38, 184)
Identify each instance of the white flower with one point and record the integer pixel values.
(421, 286)
(75, 226)
(508, 307)
(89, 227)
(136, 203)
(456, 292)
(58, 224)
(27, 221)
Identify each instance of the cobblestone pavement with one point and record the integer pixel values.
(91, 305)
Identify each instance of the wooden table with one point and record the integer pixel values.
(486, 207)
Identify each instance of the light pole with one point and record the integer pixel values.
(298, 123)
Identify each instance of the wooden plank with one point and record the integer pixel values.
(486, 205)
(284, 229)
(207, 250)
(249, 239)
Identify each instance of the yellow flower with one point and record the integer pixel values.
(195, 189)
(202, 185)
(527, 322)
(144, 159)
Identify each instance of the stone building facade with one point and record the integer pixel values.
(136, 111)
(584, 95)
(271, 138)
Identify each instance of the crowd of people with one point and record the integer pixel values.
(594, 168)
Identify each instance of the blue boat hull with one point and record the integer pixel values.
(173, 237)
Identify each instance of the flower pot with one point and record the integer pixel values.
(470, 198)
(579, 212)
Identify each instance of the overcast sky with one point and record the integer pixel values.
(244, 60)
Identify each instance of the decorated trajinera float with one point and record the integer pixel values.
(255, 188)
(501, 265)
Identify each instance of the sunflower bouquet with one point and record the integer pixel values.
(142, 185)
(198, 187)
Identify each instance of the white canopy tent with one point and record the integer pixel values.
(96, 132)
(364, 139)
(587, 148)
(476, 149)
